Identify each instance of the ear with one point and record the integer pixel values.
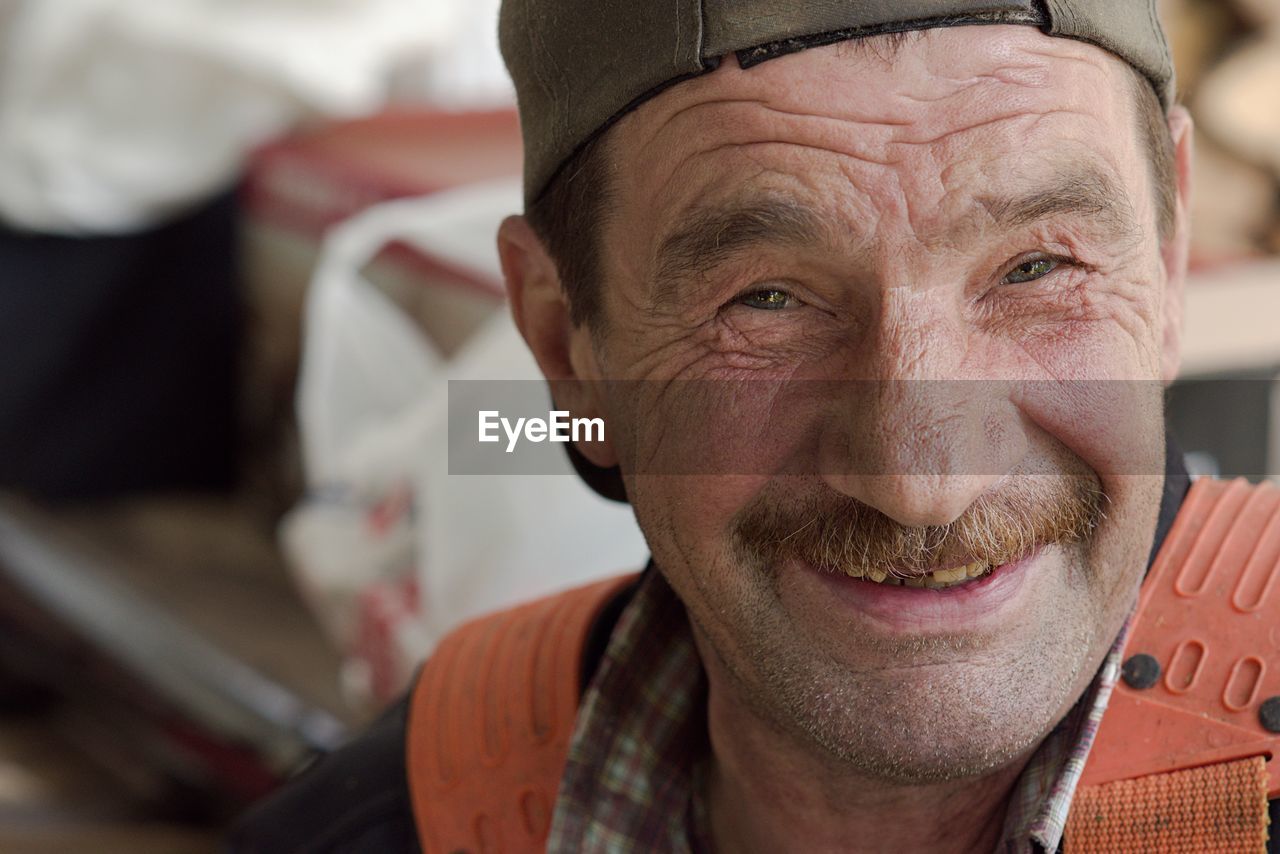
(1176, 250)
(562, 349)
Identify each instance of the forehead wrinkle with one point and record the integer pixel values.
(1018, 114)
(750, 113)
(1016, 59)
(821, 144)
(872, 140)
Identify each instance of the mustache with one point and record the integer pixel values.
(838, 533)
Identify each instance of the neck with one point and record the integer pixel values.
(768, 792)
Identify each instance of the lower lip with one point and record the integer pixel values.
(966, 608)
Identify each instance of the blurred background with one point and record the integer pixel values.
(244, 246)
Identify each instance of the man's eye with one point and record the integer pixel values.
(768, 299)
(1029, 271)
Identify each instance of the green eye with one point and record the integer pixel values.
(768, 299)
(1029, 271)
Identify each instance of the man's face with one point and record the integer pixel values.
(880, 303)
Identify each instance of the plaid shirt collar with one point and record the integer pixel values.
(637, 752)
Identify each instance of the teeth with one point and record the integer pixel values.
(938, 580)
(951, 576)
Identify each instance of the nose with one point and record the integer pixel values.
(927, 430)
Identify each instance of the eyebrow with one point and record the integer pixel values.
(712, 235)
(1083, 190)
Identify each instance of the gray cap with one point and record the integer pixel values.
(579, 65)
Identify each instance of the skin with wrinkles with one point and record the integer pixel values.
(886, 203)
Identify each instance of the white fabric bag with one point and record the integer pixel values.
(391, 549)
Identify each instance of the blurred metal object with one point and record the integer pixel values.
(208, 719)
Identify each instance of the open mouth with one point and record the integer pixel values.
(913, 599)
(941, 579)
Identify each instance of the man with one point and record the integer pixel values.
(877, 301)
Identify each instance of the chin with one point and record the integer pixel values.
(924, 708)
(942, 723)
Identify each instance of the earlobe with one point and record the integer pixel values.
(541, 312)
(1175, 250)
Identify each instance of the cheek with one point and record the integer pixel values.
(1090, 376)
(694, 451)
(1091, 381)
(1113, 421)
(720, 423)
(1101, 327)
(688, 523)
(1115, 426)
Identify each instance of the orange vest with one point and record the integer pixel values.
(1179, 763)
